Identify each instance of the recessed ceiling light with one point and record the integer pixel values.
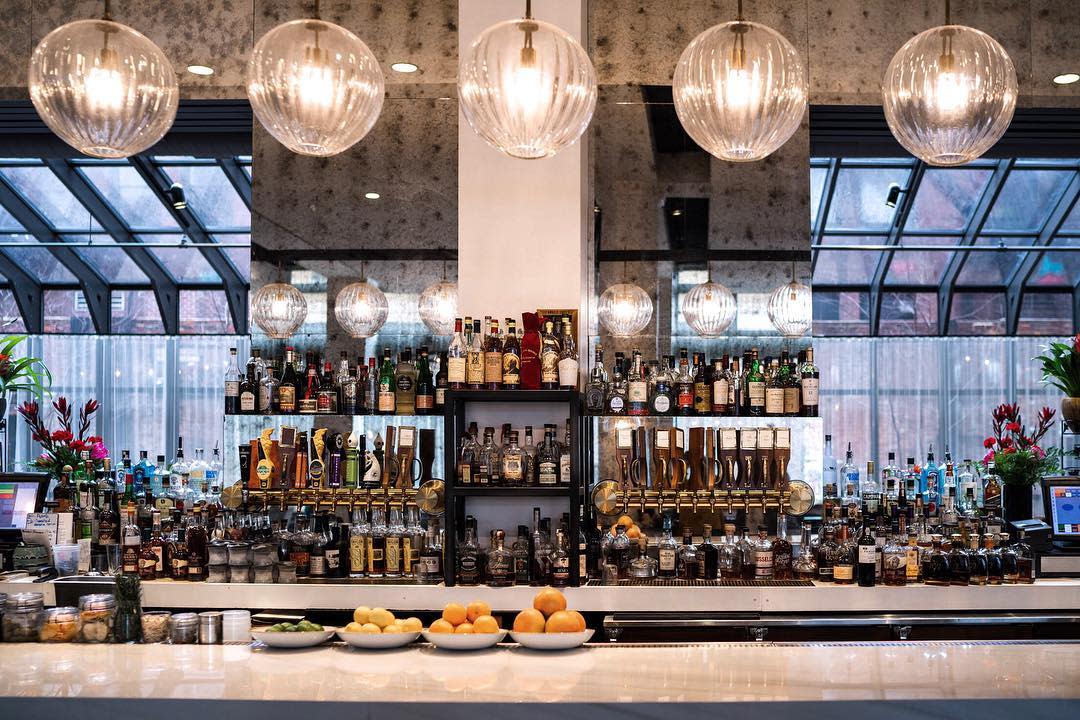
(372, 195)
(676, 213)
(404, 67)
(200, 69)
(1066, 78)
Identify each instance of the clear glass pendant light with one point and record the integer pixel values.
(740, 90)
(625, 309)
(314, 86)
(279, 309)
(361, 309)
(527, 87)
(791, 308)
(437, 306)
(709, 309)
(103, 88)
(949, 93)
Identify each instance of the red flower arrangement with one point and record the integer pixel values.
(63, 446)
(1018, 458)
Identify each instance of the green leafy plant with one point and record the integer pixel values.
(27, 373)
(1061, 366)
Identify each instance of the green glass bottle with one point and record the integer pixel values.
(755, 386)
(387, 403)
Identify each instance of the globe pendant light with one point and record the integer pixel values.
(314, 86)
(791, 308)
(625, 310)
(279, 309)
(527, 87)
(438, 307)
(361, 309)
(740, 90)
(103, 88)
(709, 309)
(949, 93)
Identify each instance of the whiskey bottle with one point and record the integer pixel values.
(792, 397)
(684, 386)
(425, 385)
(734, 378)
(1025, 561)
(845, 559)
(474, 358)
(637, 401)
(596, 388)
(866, 554)
(710, 555)
(616, 400)
(288, 388)
(993, 560)
(702, 376)
(513, 463)
(568, 359)
(565, 466)
(248, 392)
(774, 390)
(456, 359)
(233, 377)
(827, 552)
(729, 559)
(317, 558)
(549, 357)
(642, 566)
(755, 387)
(782, 550)
(521, 556)
(690, 566)
(511, 358)
(358, 543)
(405, 384)
(429, 569)
(547, 460)
(746, 548)
(894, 560)
(667, 552)
(493, 358)
(395, 533)
(376, 547)
(809, 385)
(763, 555)
(197, 540)
(348, 387)
(804, 567)
(489, 460)
(327, 400)
(468, 556)
(721, 391)
(500, 562)
(661, 399)
(387, 395)
(936, 569)
(442, 382)
(560, 560)
(977, 561)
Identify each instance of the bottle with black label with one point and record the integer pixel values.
(430, 568)
(468, 555)
(317, 558)
(248, 391)
(520, 551)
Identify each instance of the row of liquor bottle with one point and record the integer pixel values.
(514, 460)
(947, 489)
(754, 386)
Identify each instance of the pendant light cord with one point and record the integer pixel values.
(107, 15)
(528, 9)
(948, 12)
(738, 12)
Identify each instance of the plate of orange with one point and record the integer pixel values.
(465, 628)
(552, 641)
(464, 641)
(549, 625)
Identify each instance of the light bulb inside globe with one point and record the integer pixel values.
(104, 89)
(314, 80)
(951, 94)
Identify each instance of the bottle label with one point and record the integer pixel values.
(912, 566)
(440, 397)
(106, 532)
(661, 403)
(431, 565)
(232, 388)
(702, 398)
(667, 559)
(568, 373)
(393, 554)
(774, 401)
(756, 391)
(264, 398)
(425, 402)
(616, 404)
(374, 557)
(720, 392)
(159, 551)
(763, 563)
(686, 396)
(286, 398)
(247, 402)
(465, 473)
(791, 401)
(333, 559)
(130, 561)
(194, 571)
(404, 382)
(455, 369)
(867, 554)
(810, 391)
(493, 367)
(386, 400)
(408, 558)
(357, 552)
(474, 369)
(638, 391)
(317, 564)
(564, 468)
(511, 368)
(549, 366)
(511, 469)
(548, 472)
(843, 572)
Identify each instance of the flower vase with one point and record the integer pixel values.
(1070, 413)
(1016, 502)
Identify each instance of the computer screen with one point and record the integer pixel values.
(17, 499)
(1065, 510)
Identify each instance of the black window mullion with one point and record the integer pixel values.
(239, 179)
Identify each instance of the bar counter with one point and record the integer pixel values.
(759, 680)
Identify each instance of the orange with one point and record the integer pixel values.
(582, 625)
(441, 626)
(476, 609)
(633, 532)
(625, 520)
(549, 600)
(464, 628)
(529, 621)
(561, 622)
(485, 624)
(454, 614)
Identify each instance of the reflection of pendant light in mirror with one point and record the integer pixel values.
(740, 90)
(709, 309)
(279, 309)
(624, 310)
(314, 86)
(527, 87)
(949, 93)
(791, 308)
(103, 88)
(361, 309)
(438, 307)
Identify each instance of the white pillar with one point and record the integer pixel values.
(521, 223)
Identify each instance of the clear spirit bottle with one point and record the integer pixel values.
(468, 557)
(667, 552)
(642, 566)
(500, 562)
(568, 359)
(616, 398)
(763, 555)
(512, 463)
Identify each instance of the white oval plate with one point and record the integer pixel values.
(464, 641)
(380, 641)
(311, 638)
(552, 641)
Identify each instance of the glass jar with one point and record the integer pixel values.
(239, 554)
(262, 554)
(184, 629)
(155, 626)
(96, 615)
(23, 613)
(60, 625)
(286, 572)
(218, 552)
(127, 627)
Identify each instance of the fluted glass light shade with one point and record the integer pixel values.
(949, 94)
(361, 309)
(103, 88)
(740, 90)
(624, 310)
(314, 86)
(791, 309)
(438, 307)
(279, 309)
(709, 309)
(527, 87)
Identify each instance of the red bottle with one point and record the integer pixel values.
(530, 352)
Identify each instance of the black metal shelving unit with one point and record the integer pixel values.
(457, 496)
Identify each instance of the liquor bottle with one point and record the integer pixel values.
(894, 559)
(442, 382)
(405, 384)
(549, 357)
(774, 390)
(662, 395)
(512, 463)
(721, 391)
(489, 473)
(348, 387)
(866, 553)
(870, 490)
(804, 567)
(617, 398)
(763, 555)
(977, 565)
(642, 566)
(560, 560)
(328, 398)
(358, 543)
(935, 564)
(248, 392)
(792, 393)
(729, 560)
(846, 558)
(500, 562)
(474, 358)
(565, 466)
(395, 534)
(734, 377)
(667, 552)
(376, 547)
(317, 557)
(782, 550)
(371, 388)
(387, 396)
(637, 400)
(268, 393)
(289, 386)
(493, 364)
(702, 376)
(827, 552)
(929, 484)
(992, 499)
(755, 387)
(596, 388)
(547, 460)
(520, 552)
(912, 559)
(849, 474)
(425, 385)
(684, 386)
(809, 382)
(233, 376)
(456, 359)
(429, 568)
(468, 556)
(568, 359)
(197, 541)
(108, 536)
(690, 565)
(710, 554)
(511, 357)
(993, 559)
(130, 542)
(746, 549)
(1025, 560)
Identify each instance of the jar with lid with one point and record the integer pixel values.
(184, 629)
(96, 615)
(60, 625)
(155, 626)
(23, 613)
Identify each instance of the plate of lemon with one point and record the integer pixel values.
(378, 629)
(465, 628)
